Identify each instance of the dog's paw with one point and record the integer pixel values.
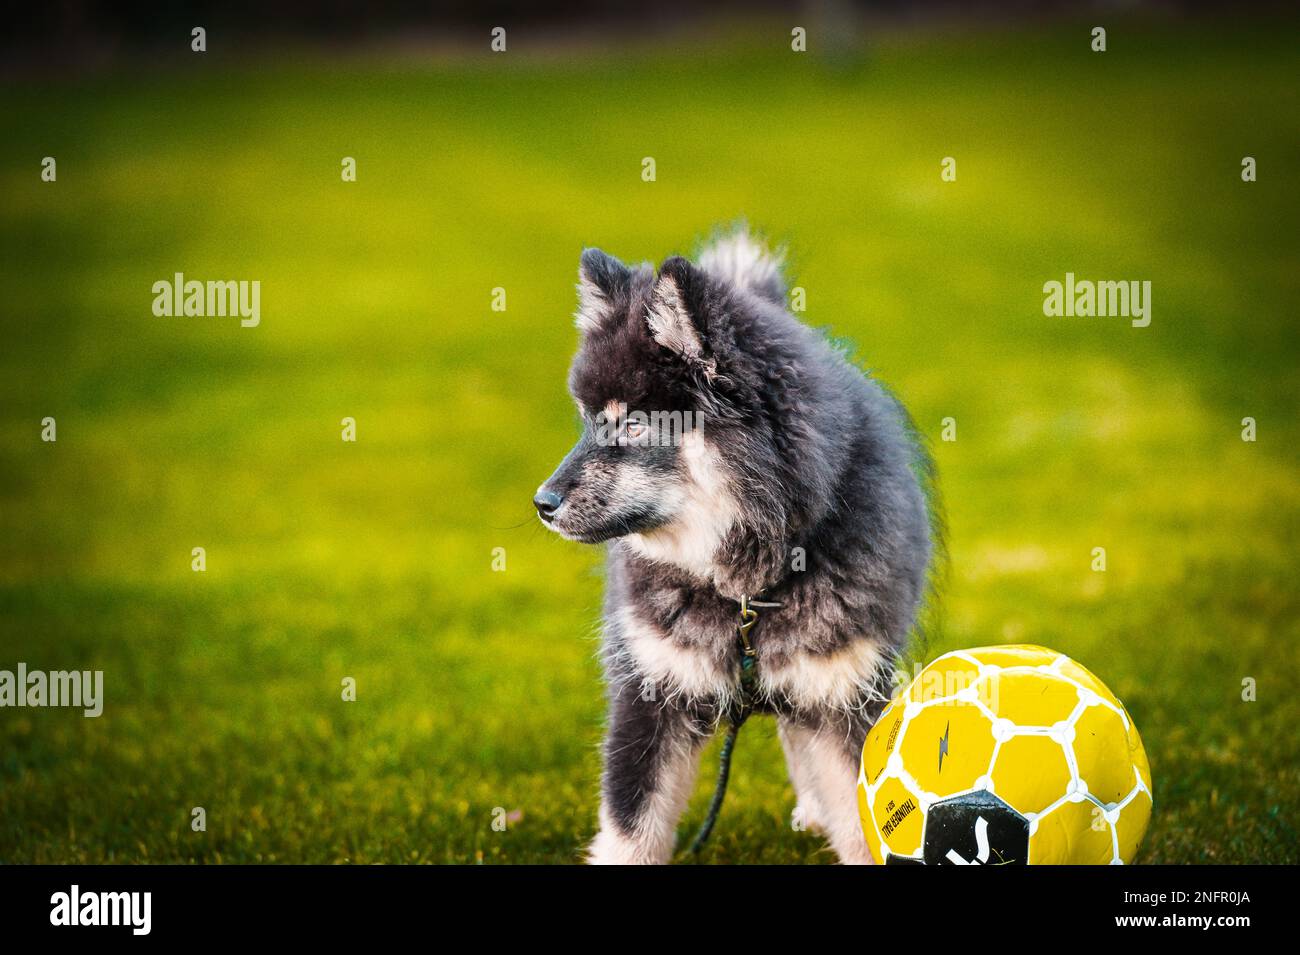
(855, 855)
(612, 848)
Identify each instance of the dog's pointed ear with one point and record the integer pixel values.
(676, 316)
(601, 278)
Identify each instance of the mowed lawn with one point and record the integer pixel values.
(478, 691)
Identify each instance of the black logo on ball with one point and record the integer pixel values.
(975, 829)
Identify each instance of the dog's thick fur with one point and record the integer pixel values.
(803, 484)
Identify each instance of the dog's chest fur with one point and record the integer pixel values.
(679, 640)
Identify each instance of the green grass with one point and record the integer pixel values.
(480, 689)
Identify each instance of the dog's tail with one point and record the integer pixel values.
(737, 257)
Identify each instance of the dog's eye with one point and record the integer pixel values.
(635, 431)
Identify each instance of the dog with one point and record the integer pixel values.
(733, 459)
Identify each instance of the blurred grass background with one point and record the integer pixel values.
(479, 690)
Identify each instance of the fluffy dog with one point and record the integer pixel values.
(730, 453)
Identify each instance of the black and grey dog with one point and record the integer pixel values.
(731, 454)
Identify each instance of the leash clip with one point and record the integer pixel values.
(748, 618)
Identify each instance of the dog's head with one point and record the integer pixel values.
(643, 382)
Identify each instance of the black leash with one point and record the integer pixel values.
(740, 711)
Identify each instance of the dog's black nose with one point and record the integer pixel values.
(547, 503)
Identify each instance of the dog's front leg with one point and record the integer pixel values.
(652, 751)
(824, 756)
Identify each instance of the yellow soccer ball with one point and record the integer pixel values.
(1001, 755)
